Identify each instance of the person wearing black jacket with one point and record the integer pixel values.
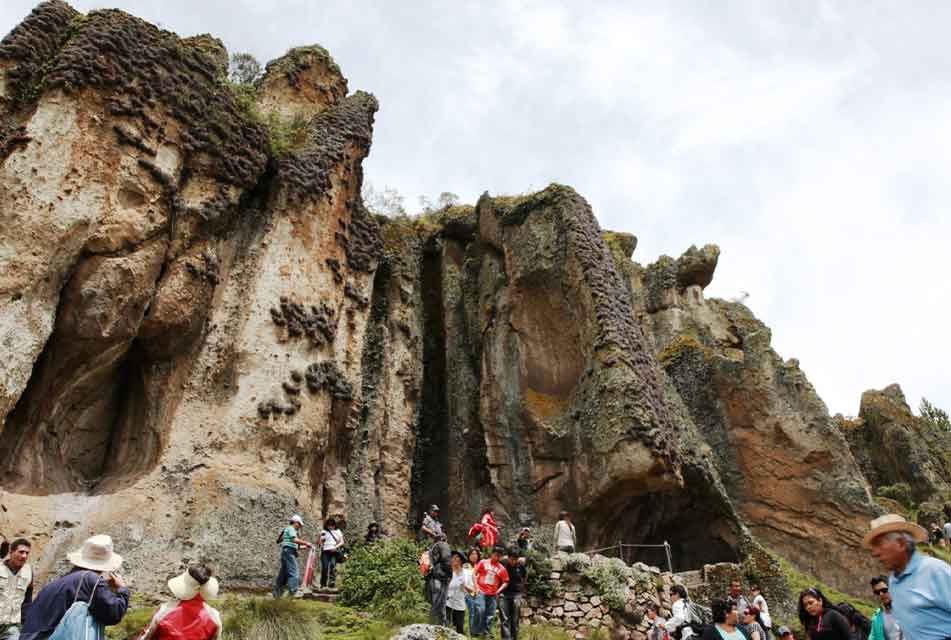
(93, 579)
(440, 573)
(510, 605)
(820, 619)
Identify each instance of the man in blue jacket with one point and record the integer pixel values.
(884, 624)
(93, 579)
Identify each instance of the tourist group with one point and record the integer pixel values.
(486, 581)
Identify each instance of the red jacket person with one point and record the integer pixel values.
(190, 617)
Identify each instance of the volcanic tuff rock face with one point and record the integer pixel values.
(895, 447)
(205, 331)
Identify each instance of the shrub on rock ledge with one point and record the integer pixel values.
(609, 577)
(538, 579)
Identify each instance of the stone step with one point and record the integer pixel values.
(326, 595)
(690, 579)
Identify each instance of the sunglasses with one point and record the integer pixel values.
(879, 592)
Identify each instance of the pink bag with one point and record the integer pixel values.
(309, 568)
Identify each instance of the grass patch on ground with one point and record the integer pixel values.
(545, 632)
(246, 618)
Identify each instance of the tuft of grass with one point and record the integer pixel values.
(550, 632)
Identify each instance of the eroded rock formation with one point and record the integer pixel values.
(897, 449)
(205, 330)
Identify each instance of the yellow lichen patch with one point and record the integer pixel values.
(679, 345)
(620, 244)
(544, 405)
(846, 424)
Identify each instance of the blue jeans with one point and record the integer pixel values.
(289, 575)
(486, 607)
(473, 613)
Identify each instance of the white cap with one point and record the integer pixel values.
(296, 518)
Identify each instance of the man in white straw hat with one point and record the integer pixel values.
(190, 617)
(93, 579)
(920, 586)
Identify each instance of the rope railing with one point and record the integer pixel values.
(620, 546)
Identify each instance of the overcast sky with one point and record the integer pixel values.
(810, 140)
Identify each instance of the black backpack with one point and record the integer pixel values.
(440, 569)
(698, 619)
(862, 625)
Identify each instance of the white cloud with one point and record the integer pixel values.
(807, 139)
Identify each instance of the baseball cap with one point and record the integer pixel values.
(296, 518)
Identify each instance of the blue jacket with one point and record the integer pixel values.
(108, 607)
(878, 626)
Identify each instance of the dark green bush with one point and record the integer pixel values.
(384, 578)
(900, 492)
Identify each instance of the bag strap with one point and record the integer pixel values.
(94, 589)
(82, 581)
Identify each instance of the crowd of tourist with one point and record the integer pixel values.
(488, 581)
(485, 582)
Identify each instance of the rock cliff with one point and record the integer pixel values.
(205, 330)
(901, 455)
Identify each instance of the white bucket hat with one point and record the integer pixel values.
(185, 587)
(893, 522)
(96, 554)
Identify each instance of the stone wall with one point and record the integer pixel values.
(583, 607)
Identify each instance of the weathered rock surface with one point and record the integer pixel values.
(893, 446)
(784, 464)
(426, 632)
(205, 331)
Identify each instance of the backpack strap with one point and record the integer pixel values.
(82, 581)
(94, 589)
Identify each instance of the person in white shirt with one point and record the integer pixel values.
(331, 544)
(460, 584)
(760, 603)
(16, 587)
(565, 539)
(678, 612)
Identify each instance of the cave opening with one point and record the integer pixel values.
(430, 476)
(81, 423)
(694, 521)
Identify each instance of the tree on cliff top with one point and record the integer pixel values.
(243, 68)
(936, 417)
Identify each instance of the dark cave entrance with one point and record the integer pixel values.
(81, 424)
(695, 521)
(430, 479)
